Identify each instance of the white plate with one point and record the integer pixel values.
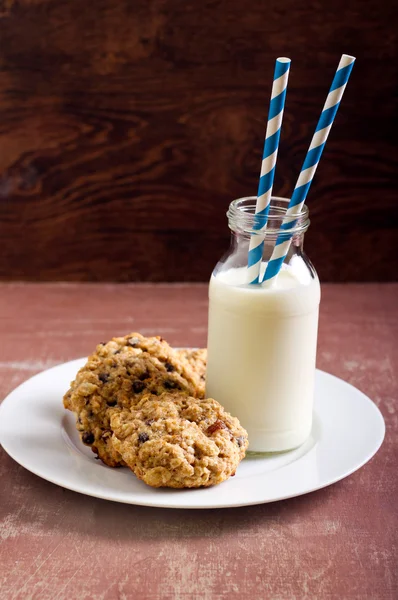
(40, 435)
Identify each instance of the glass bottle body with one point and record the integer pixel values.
(262, 339)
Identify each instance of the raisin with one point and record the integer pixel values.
(143, 437)
(171, 385)
(138, 386)
(149, 422)
(169, 367)
(144, 375)
(111, 402)
(216, 427)
(240, 440)
(103, 377)
(87, 437)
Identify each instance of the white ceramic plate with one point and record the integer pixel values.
(40, 435)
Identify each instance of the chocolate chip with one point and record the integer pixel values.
(87, 437)
(143, 437)
(133, 342)
(103, 377)
(216, 427)
(240, 440)
(111, 402)
(138, 386)
(144, 375)
(171, 385)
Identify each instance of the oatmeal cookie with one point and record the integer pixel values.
(197, 360)
(178, 441)
(119, 374)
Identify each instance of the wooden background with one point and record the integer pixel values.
(128, 126)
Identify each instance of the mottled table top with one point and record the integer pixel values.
(339, 542)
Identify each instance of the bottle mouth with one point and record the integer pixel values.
(242, 217)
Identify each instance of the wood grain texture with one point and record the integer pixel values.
(339, 542)
(127, 127)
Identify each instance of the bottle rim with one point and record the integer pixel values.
(241, 217)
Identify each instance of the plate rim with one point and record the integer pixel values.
(170, 505)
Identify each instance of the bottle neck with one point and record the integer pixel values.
(244, 222)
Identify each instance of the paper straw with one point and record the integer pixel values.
(308, 169)
(272, 135)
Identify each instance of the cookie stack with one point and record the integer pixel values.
(140, 403)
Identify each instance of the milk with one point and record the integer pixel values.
(261, 354)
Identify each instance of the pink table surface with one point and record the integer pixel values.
(339, 542)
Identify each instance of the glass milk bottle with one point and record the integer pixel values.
(262, 340)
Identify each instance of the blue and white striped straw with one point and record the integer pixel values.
(308, 169)
(272, 135)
